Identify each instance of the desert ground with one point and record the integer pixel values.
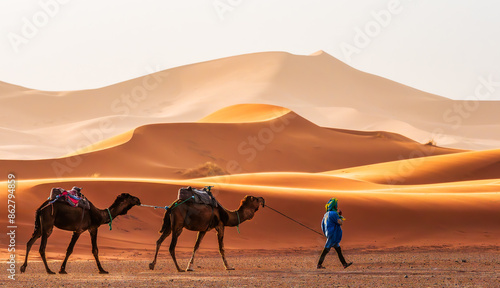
(301, 131)
(399, 267)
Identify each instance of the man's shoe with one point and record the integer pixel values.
(347, 265)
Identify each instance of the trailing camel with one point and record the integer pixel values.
(65, 217)
(203, 218)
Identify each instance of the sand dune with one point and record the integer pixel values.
(233, 114)
(273, 152)
(105, 144)
(274, 125)
(284, 143)
(464, 166)
(243, 113)
(318, 87)
(323, 182)
(378, 220)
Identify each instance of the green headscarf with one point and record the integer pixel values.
(332, 205)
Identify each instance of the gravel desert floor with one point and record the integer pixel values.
(404, 267)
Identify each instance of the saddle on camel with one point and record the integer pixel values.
(73, 197)
(203, 196)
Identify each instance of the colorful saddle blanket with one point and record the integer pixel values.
(73, 198)
(199, 196)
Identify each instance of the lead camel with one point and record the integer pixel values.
(203, 218)
(65, 217)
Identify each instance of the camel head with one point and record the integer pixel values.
(125, 202)
(250, 205)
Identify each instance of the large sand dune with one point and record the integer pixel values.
(377, 217)
(464, 166)
(296, 130)
(317, 87)
(299, 167)
(168, 150)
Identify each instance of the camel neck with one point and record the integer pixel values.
(105, 215)
(235, 218)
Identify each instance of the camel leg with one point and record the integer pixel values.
(45, 236)
(75, 237)
(175, 235)
(160, 240)
(199, 237)
(95, 250)
(36, 234)
(220, 237)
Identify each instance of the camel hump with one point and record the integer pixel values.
(203, 196)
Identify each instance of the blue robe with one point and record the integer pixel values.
(331, 229)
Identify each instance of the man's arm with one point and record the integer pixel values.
(340, 220)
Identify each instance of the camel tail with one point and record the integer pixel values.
(37, 221)
(167, 224)
(37, 216)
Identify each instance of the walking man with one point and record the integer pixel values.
(331, 228)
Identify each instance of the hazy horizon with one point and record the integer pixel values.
(444, 48)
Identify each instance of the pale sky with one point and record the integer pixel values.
(444, 47)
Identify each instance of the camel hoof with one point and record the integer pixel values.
(189, 270)
(103, 272)
(151, 266)
(229, 268)
(63, 272)
(179, 270)
(23, 268)
(50, 272)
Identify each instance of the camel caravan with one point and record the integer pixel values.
(195, 210)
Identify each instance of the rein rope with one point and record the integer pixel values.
(153, 206)
(166, 207)
(110, 219)
(295, 220)
(175, 205)
(50, 203)
(238, 226)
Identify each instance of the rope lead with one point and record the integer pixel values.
(295, 221)
(238, 226)
(166, 207)
(110, 219)
(153, 206)
(175, 205)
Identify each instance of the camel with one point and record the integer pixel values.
(203, 218)
(65, 217)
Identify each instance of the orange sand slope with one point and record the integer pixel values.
(107, 143)
(291, 162)
(245, 113)
(376, 219)
(283, 143)
(282, 157)
(233, 114)
(318, 87)
(463, 166)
